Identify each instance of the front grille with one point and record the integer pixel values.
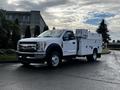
(27, 47)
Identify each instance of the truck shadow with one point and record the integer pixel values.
(66, 65)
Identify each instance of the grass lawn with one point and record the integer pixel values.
(115, 49)
(8, 57)
(106, 51)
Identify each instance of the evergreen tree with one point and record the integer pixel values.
(3, 38)
(118, 41)
(113, 41)
(4, 30)
(15, 34)
(9, 31)
(15, 38)
(36, 31)
(16, 21)
(104, 31)
(27, 32)
(53, 28)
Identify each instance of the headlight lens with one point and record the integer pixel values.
(41, 46)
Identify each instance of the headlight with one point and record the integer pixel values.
(41, 46)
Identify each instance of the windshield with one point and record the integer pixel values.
(51, 33)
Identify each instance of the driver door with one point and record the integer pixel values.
(69, 44)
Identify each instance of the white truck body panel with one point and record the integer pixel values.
(88, 42)
(69, 48)
(87, 46)
(82, 33)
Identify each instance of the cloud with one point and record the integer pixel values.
(72, 13)
(37, 4)
(96, 17)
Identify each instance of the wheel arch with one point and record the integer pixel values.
(95, 49)
(54, 47)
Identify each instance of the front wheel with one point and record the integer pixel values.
(25, 63)
(54, 59)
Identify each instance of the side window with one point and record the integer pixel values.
(69, 35)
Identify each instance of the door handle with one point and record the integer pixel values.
(73, 42)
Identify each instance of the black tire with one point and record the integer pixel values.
(89, 58)
(92, 57)
(25, 63)
(54, 59)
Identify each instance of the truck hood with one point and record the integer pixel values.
(38, 39)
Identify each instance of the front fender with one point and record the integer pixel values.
(54, 47)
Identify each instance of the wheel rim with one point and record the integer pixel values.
(55, 60)
(94, 55)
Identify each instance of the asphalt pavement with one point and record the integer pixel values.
(73, 75)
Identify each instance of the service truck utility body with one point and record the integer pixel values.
(54, 45)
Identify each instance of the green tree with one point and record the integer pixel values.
(36, 31)
(104, 31)
(3, 38)
(113, 41)
(16, 21)
(15, 33)
(53, 28)
(4, 30)
(27, 32)
(118, 41)
(9, 31)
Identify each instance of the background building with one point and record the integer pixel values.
(31, 18)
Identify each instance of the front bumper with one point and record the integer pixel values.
(31, 56)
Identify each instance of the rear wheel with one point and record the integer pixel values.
(54, 59)
(92, 57)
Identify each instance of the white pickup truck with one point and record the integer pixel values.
(54, 45)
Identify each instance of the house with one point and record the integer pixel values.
(25, 18)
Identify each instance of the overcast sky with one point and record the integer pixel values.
(73, 14)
